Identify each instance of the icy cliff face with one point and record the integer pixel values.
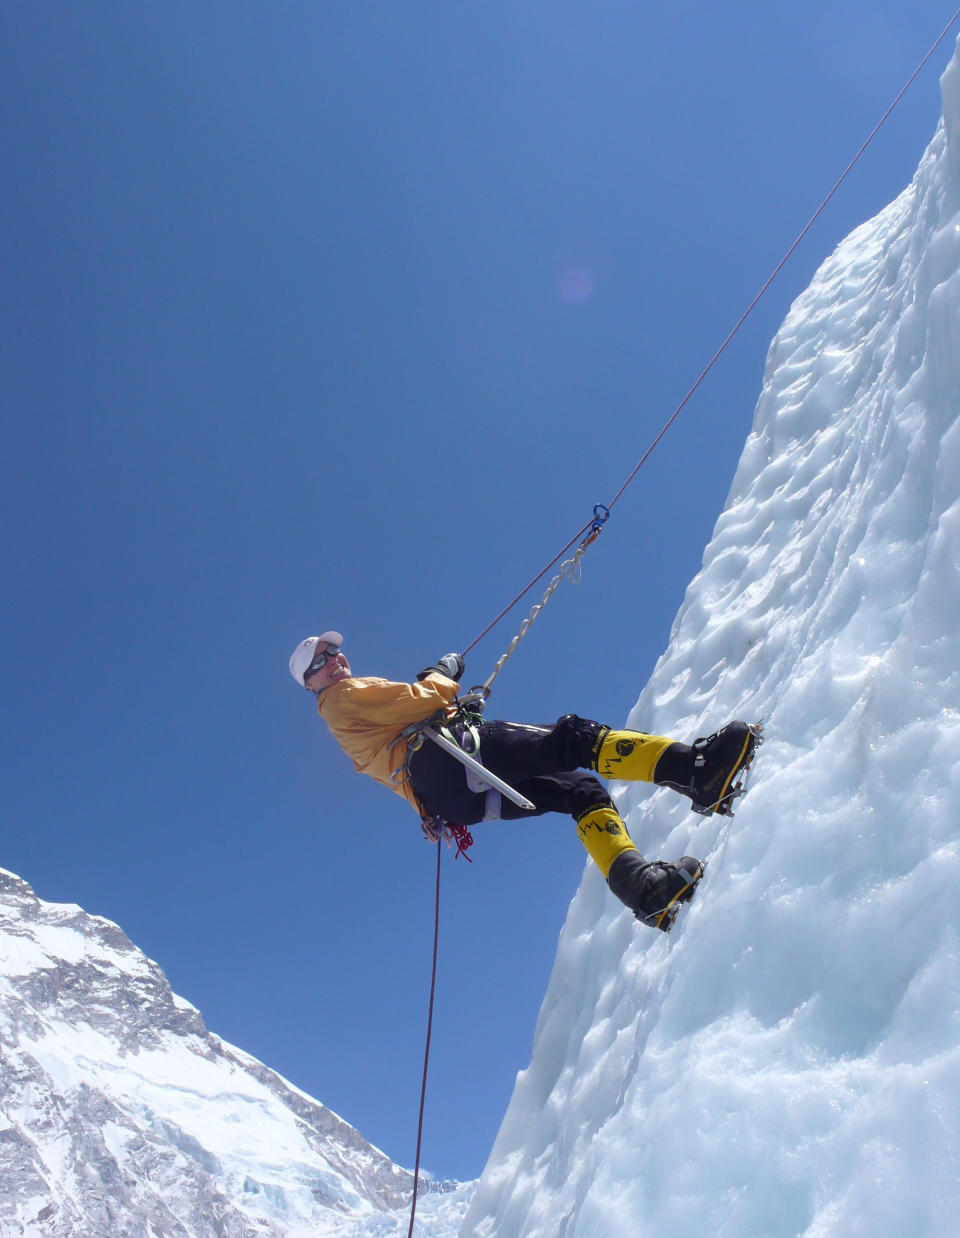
(120, 1114)
(787, 1062)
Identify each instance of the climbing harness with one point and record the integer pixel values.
(479, 778)
(482, 779)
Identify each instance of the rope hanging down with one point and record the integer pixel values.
(426, 1051)
(714, 359)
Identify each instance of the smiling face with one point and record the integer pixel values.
(335, 667)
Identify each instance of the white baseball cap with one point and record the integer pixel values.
(305, 652)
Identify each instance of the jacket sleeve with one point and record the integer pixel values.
(386, 703)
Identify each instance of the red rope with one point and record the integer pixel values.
(463, 838)
(426, 1051)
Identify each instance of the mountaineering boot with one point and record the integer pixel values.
(654, 890)
(629, 755)
(707, 769)
(717, 760)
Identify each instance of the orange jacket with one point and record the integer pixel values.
(365, 717)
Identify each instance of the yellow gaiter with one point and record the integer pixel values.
(604, 835)
(630, 755)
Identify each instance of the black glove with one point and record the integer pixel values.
(451, 665)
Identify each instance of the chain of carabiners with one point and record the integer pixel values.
(570, 569)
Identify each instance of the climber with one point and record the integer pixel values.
(379, 724)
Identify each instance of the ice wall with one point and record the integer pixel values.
(786, 1062)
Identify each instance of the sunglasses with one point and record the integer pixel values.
(320, 660)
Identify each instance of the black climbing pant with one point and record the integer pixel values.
(546, 764)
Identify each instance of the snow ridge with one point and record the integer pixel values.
(786, 1063)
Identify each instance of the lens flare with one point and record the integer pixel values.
(575, 286)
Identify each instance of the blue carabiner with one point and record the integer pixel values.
(601, 514)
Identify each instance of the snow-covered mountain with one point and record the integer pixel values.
(787, 1062)
(120, 1114)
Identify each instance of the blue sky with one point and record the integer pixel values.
(345, 316)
